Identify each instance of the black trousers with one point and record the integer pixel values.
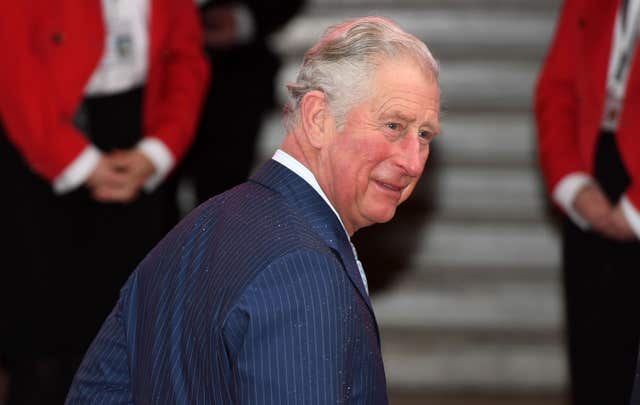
(601, 281)
(68, 256)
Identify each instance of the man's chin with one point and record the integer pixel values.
(382, 216)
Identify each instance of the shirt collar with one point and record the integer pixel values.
(301, 170)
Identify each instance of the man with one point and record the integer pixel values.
(98, 101)
(257, 297)
(588, 116)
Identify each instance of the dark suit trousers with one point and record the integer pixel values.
(601, 281)
(67, 256)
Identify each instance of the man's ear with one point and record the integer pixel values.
(316, 117)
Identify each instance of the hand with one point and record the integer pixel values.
(105, 180)
(592, 205)
(128, 171)
(621, 225)
(219, 27)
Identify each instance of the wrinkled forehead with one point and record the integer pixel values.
(405, 71)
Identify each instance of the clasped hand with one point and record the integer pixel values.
(119, 176)
(604, 218)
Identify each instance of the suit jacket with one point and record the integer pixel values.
(571, 93)
(55, 46)
(254, 298)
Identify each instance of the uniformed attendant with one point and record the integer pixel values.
(588, 116)
(98, 102)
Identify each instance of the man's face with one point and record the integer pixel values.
(373, 164)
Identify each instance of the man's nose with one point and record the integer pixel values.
(413, 156)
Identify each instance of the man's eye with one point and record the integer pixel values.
(394, 126)
(426, 135)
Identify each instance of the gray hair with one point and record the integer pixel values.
(344, 59)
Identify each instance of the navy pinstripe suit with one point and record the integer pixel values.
(254, 298)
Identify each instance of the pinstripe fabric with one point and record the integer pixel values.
(254, 298)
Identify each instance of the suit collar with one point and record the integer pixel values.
(322, 219)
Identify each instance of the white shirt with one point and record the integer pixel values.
(301, 170)
(565, 192)
(124, 62)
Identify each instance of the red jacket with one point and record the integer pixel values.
(51, 48)
(571, 93)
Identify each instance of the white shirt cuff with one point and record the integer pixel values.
(161, 157)
(565, 193)
(78, 171)
(631, 214)
(245, 26)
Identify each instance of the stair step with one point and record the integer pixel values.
(466, 30)
(476, 85)
(499, 245)
(482, 193)
(455, 367)
(492, 139)
(507, 338)
(502, 307)
(435, 243)
(452, 275)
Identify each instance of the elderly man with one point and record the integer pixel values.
(257, 297)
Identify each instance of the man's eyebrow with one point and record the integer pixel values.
(399, 115)
(402, 116)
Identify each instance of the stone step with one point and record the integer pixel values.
(471, 309)
(482, 193)
(456, 255)
(470, 85)
(478, 85)
(452, 366)
(491, 31)
(450, 275)
(432, 251)
(491, 138)
(498, 245)
(440, 243)
(504, 337)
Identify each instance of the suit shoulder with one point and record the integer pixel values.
(231, 238)
(265, 219)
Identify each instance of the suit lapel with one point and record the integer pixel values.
(304, 199)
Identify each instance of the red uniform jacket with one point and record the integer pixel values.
(51, 48)
(571, 93)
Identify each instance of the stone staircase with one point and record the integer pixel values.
(465, 279)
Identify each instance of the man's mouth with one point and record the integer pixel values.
(392, 187)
